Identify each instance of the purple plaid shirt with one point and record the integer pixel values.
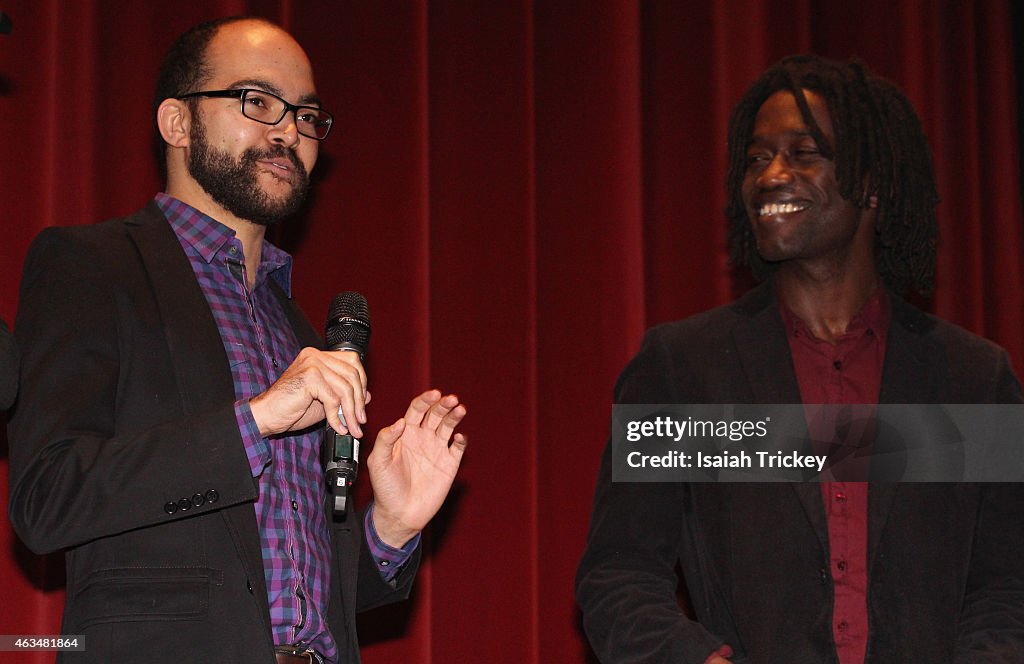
(260, 344)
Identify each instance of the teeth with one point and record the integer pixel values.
(779, 208)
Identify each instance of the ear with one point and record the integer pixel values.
(174, 119)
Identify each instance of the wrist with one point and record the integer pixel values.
(390, 528)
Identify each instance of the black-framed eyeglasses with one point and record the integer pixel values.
(262, 106)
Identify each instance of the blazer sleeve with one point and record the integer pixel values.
(626, 584)
(99, 442)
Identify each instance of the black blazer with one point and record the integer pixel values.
(946, 576)
(8, 367)
(126, 405)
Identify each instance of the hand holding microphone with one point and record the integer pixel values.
(320, 384)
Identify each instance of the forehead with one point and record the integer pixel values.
(255, 51)
(780, 114)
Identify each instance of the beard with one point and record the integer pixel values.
(234, 183)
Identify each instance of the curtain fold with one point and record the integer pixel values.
(519, 189)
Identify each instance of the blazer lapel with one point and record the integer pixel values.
(763, 349)
(761, 345)
(200, 363)
(910, 374)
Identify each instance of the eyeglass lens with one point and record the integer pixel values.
(270, 109)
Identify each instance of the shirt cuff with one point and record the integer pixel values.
(257, 451)
(388, 559)
(724, 651)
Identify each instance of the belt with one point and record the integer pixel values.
(295, 656)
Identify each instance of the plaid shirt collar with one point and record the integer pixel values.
(211, 238)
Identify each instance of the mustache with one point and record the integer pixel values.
(254, 154)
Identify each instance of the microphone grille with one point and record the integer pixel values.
(348, 322)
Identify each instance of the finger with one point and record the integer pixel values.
(334, 410)
(347, 366)
(351, 358)
(387, 437)
(339, 400)
(347, 413)
(450, 421)
(419, 406)
(343, 392)
(438, 411)
(458, 447)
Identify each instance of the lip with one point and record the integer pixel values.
(278, 164)
(279, 168)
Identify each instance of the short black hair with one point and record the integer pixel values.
(185, 69)
(880, 151)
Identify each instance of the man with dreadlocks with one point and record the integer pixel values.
(831, 203)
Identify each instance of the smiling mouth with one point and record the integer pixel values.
(772, 209)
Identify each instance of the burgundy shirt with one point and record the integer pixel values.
(847, 372)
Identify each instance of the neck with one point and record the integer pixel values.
(827, 307)
(248, 233)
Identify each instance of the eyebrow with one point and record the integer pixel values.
(755, 138)
(304, 100)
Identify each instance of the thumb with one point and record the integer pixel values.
(388, 436)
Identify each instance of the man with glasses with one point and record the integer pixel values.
(169, 429)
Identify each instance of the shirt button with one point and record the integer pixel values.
(838, 365)
(840, 497)
(842, 626)
(384, 563)
(841, 565)
(295, 506)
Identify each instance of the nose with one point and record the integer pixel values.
(775, 173)
(286, 131)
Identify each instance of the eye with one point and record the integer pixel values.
(255, 100)
(806, 150)
(757, 159)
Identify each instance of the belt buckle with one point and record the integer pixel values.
(299, 651)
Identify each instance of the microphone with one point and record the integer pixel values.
(348, 328)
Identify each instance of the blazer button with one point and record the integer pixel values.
(248, 585)
(198, 500)
(170, 508)
(184, 504)
(212, 496)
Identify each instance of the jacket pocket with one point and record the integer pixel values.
(143, 593)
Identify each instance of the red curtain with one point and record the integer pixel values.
(519, 189)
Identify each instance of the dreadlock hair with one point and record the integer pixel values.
(879, 151)
(185, 69)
